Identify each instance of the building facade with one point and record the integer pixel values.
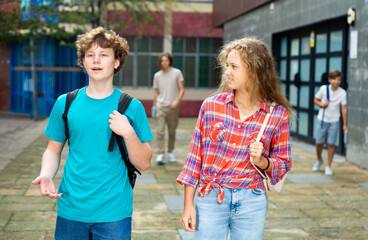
(183, 28)
(309, 38)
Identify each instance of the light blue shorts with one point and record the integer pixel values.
(242, 215)
(327, 133)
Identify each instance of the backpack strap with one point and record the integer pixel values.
(69, 99)
(328, 92)
(123, 105)
(328, 98)
(260, 133)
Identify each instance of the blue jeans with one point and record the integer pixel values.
(73, 230)
(242, 214)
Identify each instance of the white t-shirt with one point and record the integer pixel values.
(332, 111)
(168, 85)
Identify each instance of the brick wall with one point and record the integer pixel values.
(4, 58)
(4, 77)
(185, 24)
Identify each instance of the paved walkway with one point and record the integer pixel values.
(311, 205)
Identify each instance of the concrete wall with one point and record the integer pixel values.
(282, 15)
(357, 147)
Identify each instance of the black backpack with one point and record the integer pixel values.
(123, 104)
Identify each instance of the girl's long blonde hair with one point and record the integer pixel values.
(257, 58)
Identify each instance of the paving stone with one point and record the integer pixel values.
(174, 202)
(365, 185)
(156, 201)
(22, 235)
(159, 235)
(186, 235)
(331, 212)
(49, 235)
(300, 189)
(23, 182)
(32, 192)
(30, 225)
(344, 197)
(26, 206)
(146, 179)
(364, 212)
(293, 198)
(4, 218)
(341, 204)
(301, 205)
(285, 223)
(309, 178)
(11, 191)
(283, 233)
(23, 199)
(349, 221)
(30, 215)
(151, 220)
(8, 182)
(353, 233)
(342, 188)
(285, 213)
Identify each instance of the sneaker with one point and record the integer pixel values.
(160, 160)
(328, 170)
(171, 157)
(317, 165)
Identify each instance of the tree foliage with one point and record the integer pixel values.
(63, 19)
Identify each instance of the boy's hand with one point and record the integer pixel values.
(325, 104)
(119, 124)
(174, 105)
(47, 187)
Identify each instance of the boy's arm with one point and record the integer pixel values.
(140, 154)
(50, 165)
(319, 103)
(157, 92)
(344, 111)
(175, 104)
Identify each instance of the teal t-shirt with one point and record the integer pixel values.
(95, 183)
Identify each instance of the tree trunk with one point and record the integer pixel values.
(34, 79)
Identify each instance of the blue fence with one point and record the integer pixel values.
(57, 73)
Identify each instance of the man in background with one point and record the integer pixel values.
(169, 90)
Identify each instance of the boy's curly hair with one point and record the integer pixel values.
(105, 39)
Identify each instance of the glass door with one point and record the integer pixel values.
(305, 57)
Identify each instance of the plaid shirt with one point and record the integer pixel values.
(218, 154)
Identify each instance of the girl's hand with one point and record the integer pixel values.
(188, 219)
(255, 151)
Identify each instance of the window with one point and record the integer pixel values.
(195, 57)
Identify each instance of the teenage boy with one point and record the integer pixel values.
(169, 90)
(95, 197)
(329, 98)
